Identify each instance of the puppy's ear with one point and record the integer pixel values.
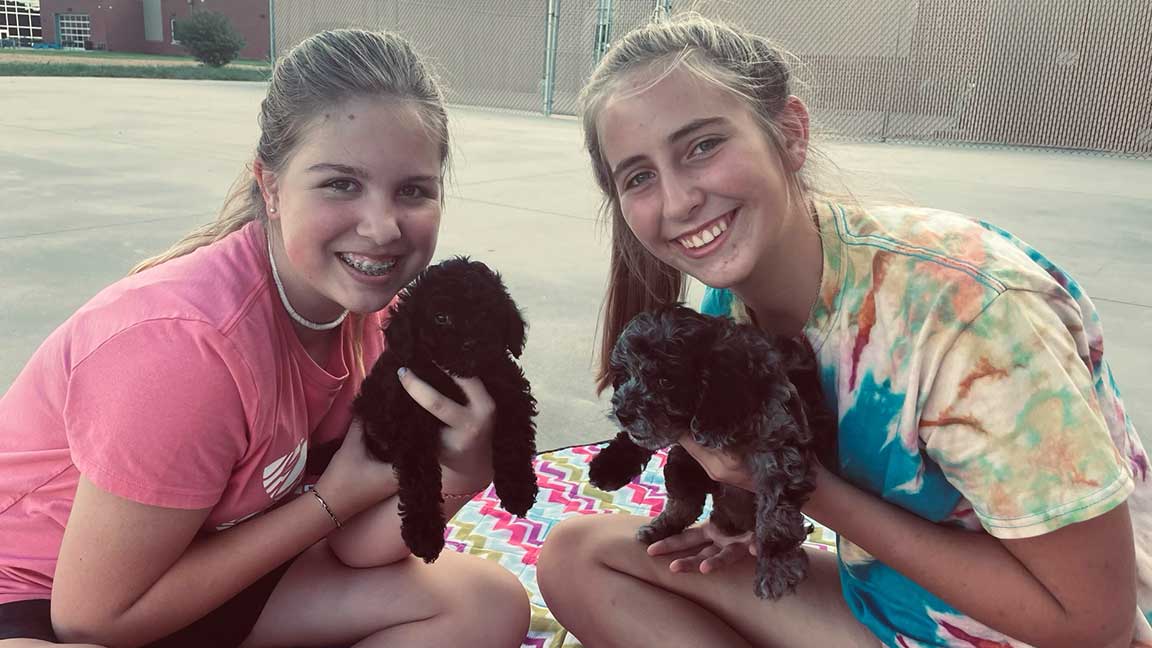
(516, 329)
(795, 407)
(732, 384)
(725, 395)
(400, 332)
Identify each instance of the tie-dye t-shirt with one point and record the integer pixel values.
(969, 377)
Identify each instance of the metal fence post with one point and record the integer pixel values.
(271, 31)
(551, 41)
(603, 27)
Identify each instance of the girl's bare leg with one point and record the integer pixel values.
(460, 600)
(600, 583)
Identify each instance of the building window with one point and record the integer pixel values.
(73, 30)
(172, 26)
(19, 23)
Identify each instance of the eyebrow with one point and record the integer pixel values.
(361, 173)
(339, 168)
(678, 134)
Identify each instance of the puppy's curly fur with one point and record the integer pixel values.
(733, 388)
(455, 319)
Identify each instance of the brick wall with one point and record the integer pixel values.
(118, 25)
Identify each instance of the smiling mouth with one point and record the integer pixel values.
(706, 234)
(367, 265)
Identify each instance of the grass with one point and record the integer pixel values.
(116, 56)
(196, 72)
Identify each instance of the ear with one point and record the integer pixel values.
(400, 332)
(725, 393)
(795, 407)
(266, 179)
(734, 384)
(793, 122)
(517, 328)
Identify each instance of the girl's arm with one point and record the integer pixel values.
(1074, 587)
(1071, 587)
(373, 537)
(130, 573)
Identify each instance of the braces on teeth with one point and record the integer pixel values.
(368, 267)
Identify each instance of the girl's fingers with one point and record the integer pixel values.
(690, 538)
(693, 563)
(724, 557)
(448, 411)
(477, 395)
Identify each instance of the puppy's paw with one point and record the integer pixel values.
(425, 540)
(615, 467)
(519, 501)
(779, 575)
(656, 530)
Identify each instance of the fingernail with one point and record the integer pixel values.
(401, 371)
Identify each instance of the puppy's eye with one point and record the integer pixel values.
(442, 319)
(664, 383)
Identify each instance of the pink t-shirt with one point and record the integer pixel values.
(184, 386)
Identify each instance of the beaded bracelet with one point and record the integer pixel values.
(332, 515)
(460, 496)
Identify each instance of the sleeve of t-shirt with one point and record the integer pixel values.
(155, 415)
(1013, 421)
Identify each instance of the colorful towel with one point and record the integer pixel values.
(484, 529)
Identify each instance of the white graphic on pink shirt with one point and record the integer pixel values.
(280, 478)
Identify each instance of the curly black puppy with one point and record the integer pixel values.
(733, 388)
(455, 319)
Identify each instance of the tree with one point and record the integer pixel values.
(209, 37)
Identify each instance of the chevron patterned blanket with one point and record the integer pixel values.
(485, 529)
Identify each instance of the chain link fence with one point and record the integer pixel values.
(1071, 74)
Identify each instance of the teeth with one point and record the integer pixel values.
(366, 265)
(705, 237)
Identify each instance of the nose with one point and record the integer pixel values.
(682, 196)
(378, 223)
(625, 418)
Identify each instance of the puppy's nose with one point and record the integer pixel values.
(625, 418)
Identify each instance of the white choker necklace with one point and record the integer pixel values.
(297, 317)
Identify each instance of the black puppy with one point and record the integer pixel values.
(732, 388)
(455, 319)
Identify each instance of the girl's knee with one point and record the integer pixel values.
(566, 542)
(586, 536)
(575, 549)
(491, 606)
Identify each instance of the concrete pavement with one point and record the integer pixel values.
(98, 173)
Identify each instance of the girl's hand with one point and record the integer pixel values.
(719, 465)
(714, 549)
(354, 479)
(466, 448)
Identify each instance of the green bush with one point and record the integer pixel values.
(209, 37)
